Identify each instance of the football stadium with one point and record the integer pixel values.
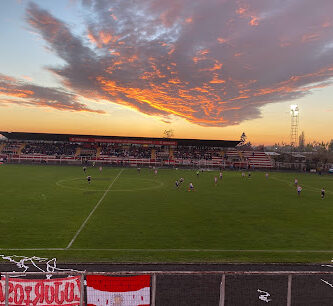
(195, 203)
(166, 153)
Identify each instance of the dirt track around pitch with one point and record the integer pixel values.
(204, 289)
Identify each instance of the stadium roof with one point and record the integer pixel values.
(119, 139)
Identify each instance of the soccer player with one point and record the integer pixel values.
(266, 175)
(89, 179)
(243, 174)
(191, 187)
(299, 189)
(322, 193)
(181, 180)
(84, 169)
(155, 171)
(177, 184)
(139, 170)
(215, 180)
(249, 175)
(296, 181)
(198, 173)
(100, 168)
(221, 175)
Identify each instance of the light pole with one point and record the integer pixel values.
(294, 112)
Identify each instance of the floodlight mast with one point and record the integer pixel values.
(294, 112)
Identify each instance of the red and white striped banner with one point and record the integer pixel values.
(111, 290)
(60, 291)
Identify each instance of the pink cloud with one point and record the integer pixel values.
(213, 63)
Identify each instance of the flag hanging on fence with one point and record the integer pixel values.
(118, 291)
(58, 291)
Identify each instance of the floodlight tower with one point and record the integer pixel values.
(294, 112)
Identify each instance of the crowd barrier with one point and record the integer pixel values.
(114, 161)
(202, 288)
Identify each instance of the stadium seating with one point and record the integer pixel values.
(11, 148)
(258, 159)
(232, 156)
(135, 154)
(43, 148)
(251, 159)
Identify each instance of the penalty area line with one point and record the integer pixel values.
(93, 210)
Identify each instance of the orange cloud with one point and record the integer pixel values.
(254, 21)
(237, 54)
(105, 38)
(92, 38)
(326, 24)
(37, 96)
(241, 11)
(310, 37)
(221, 40)
(203, 52)
(162, 62)
(114, 17)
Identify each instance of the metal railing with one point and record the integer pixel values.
(10, 276)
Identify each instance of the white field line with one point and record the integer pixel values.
(93, 210)
(169, 250)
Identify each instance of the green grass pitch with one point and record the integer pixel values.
(124, 216)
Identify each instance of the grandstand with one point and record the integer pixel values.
(131, 151)
(127, 215)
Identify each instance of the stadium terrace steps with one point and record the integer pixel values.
(98, 152)
(2, 146)
(258, 159)
(77, 151)
(253, 158)
(153, 154)
(22, 146)
(232, 154)
(171, 154)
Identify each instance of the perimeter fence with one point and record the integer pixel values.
(221, 288)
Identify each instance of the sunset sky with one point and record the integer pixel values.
(207, 69)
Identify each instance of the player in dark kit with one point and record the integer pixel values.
(84, 169)
(322, 193)
(177, 183)
(89, 179)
